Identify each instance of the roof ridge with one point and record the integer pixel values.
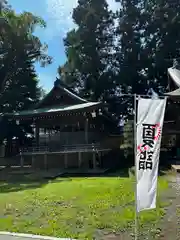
(66, 89)
(74, 95)
(49, 110)
(174, 93)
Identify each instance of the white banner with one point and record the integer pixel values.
(150, 119)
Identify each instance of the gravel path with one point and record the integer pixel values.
(169, 227)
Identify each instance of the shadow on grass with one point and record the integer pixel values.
(10, 182)
(124, 173)
(21, 182)
(163, 170)
(19, 186)
(161, 173)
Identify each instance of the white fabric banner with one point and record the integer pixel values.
(150, 117)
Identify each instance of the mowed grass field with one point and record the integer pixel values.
(79, 208)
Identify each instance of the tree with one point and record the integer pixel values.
(20, 49)
(148, 42)
(162, 40)
(128, 49)
(3, 5)
(127, 52)
(89, 49)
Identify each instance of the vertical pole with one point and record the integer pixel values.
(49, 137)
(135, 164)
(37, 134)
(94, 160)
(86, 130)
(65, 160)
(60, 137)
(45, 161)
(22, 159)
(79, 159)
(33, 161)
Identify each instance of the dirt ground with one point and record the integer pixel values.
(170, 228)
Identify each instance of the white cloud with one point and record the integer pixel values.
(60, 15)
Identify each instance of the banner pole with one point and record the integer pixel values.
(135, 164)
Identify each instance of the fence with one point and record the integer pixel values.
(63, 149)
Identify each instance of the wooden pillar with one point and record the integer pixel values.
(94, 160)
(86, 130)
(37, 134)
(79, 159)
(45, 161)
(33, 160)
(49, 136)
(66, 160)
(21, 159)
(60, 136)
(100, 159)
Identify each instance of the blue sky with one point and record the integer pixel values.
(57, 14)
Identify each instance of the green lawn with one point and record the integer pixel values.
(73, 207)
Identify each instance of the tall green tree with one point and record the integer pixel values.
(148, 42)
(129, 33)
(20, 49)
(162, 43)
(125, 52)
(3, 5)
(89, 49)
